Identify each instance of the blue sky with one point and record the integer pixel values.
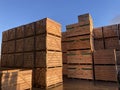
(18, 12)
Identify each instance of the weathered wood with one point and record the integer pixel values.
(98, 32)
(11, 46)
(11, 34)
(4, 47)
(19, 45)
(5, 36)
(20, 32)
(64, 46)
(80, 71)
(64, 57)
(65, 70)
(104, 57)
(79, 57)
(106, 73)
(99, 44)
(45, 77)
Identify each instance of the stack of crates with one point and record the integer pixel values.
(80, 47)
(36, 46)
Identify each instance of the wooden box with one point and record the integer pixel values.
(65, 72)
(16, 79)
(48, 41)
(80, 42)
(11, 34)
(11, 46)
(98, 32)
(19, 45)
(48, 59)
(10, 60)
(110, 31)
(29, 44)
(28, 61)
(79, 57)
(64, 57)
(64, 38)
(20, 32)
(29, 30)
(106, 73)
(49, 26)
(46, 77)
(4, 47)
(104, 57)
(5, 36)
(99, 44)
(64, 46)
(4, 59)
(76, 30)
(80, 71)
(19, 60)
(112, 43)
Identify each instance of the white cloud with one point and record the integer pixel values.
(115, 20)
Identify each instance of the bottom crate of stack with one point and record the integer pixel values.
(47, 77)
(106, 72)
(80, 71)
(15, 79)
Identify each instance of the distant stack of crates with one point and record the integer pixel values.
(36, 46)
(107, 54)
(79, 48)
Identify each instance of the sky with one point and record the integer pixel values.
(14, 13)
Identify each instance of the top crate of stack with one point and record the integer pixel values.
(83, 27)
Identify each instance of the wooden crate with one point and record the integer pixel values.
(11, 46)
(98, 32)
(80, 42)
(106, 73)
(49, 26)
(29, 44)
(28, 60)
(48, 59)
(29, 29)
(4, 59)
(5, 36)
(99, 44)
(48, 41)
(65, 72)
(16, 79)
(4, 47)
(79, 57)
(64, 57)
(64, 38)
(19, 60)
(117, 53)
(19, 45)
(80, 71)
(11, 34)
(64, 46)
(112, 43)
(45, 77)
(20, 32)
(76, 30)
(10, 60)
(104, 56)
(110, 31)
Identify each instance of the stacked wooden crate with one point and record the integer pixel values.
(79, 48)
(64, 52)
(37, 46)
(106, 64)
(105, 35)
(15, 79)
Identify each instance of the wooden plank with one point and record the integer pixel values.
(64, 46)
(80, 42)
(48, 59)
(19, 45)
(99, 44)
(104, 57)
(65, 70)
(112, 43)
(29, 44)
(64, 57)
(11, 34)
(10, 60)
(11, 46)
(45, 77)
(4, 59)
(20, 32)
(29, 29)
(4, 47)
(80, 71)
(110, 31)
(5, 36)
(64, 34)
(98, 32)
(106, 73)
(79, 57)
(19, 60)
